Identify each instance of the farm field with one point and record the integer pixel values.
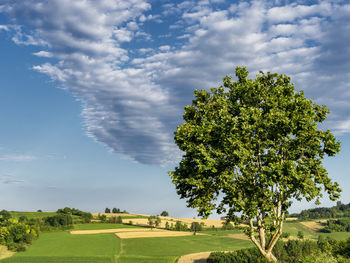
(64, 247)
(122, 243)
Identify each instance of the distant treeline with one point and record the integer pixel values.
(18, 233)
(340, 210)
(337, 225)
(84, 216)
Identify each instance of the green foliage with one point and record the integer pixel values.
(323, 251)
(4, 215)
(285, 235)
(102, 218)
(16, 235)
(86, 217)
(254, 142)
(227, 225)
(300, 234)
(164, 213)
(154, 221)
(339, 225)
(59, 220)
(196, 227)
(115, 220)
(115, 210)
(340, 210)
(107, 210)
(239, 256)
(179, 226)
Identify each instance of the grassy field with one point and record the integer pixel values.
(64, 247)
(169, 249)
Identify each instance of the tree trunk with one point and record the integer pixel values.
(270, 257)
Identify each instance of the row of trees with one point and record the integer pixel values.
(115, 211)
(338, 225)
(85, 217)
(340, 210)
(112, 219)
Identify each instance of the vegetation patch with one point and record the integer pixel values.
(63, 247)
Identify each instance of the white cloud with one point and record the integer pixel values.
(44, 54)
(4, 27)
(133, 103)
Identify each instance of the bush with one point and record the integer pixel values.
(239, 256)
(299, 251)
(164, 213)
(285, 235)
(300, 234)
(227, 226)
(196, 227)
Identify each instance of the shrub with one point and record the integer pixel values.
(300, 234)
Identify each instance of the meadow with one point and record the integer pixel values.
(63, 247)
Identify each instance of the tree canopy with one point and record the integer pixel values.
(250, 146)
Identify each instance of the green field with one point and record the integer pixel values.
(62, 247)
(169, 249)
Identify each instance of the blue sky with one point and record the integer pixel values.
(91, 91)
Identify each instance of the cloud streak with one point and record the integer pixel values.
(17, 158)
(133, 98)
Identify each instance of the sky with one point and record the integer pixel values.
(92, 91)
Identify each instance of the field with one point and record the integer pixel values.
(109, 243)
(64, 247)
(31, 215)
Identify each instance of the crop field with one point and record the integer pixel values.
(121, 243)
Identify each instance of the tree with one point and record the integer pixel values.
(154, 221)
(164, 213)
(195, 227)
(115, 210)
(107, 210)
(250, 146)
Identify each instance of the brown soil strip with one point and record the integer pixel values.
(196, 257)
(5, 253)
(239, 236)
(102, 231)
(315, 226)
(153, 233)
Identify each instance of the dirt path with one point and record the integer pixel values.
(194, 258)
(102, 231)
(4, 253)
(153, 233)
